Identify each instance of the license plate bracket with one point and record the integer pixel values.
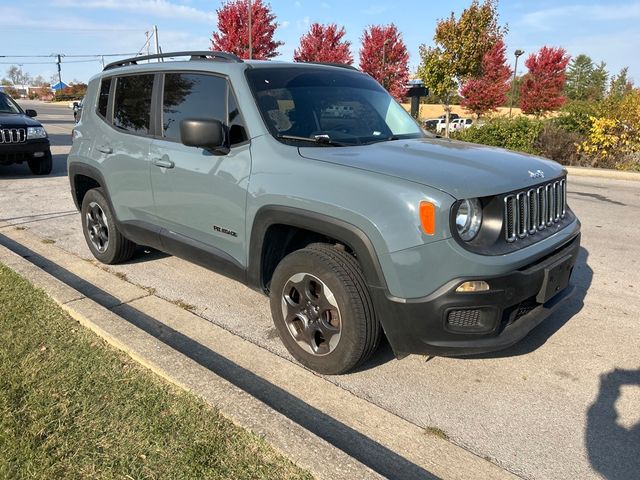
(556, 279)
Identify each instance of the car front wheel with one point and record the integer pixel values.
(322, 310)
(41, 166)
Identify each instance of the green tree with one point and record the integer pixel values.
(586, 81)
(598, 84)
(620, 84)
(579, 77)
(460, 46)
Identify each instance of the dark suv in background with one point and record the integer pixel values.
(23, 139)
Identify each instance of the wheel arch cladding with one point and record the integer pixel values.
(83, 178)
(320, 225)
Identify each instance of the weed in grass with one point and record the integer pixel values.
(121, 276)
(436, 432)
(71, 406)
(184, 305)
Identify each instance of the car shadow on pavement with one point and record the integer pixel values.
(581, 279)
(374, 455)
(613, 449)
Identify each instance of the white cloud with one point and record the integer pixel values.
(158, 8)
(297, 4)
(375, 10)
(303, 22)
(549, 18)
(284, 24)
(325, 5)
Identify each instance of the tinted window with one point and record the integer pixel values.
(103, 96)
(188, 95)
(132, 104)
(346, 106)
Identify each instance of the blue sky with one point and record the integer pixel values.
(605, 30)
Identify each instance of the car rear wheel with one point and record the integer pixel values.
(322, 309)
(104, 240)
(41, 166)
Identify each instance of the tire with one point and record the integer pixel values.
(322, 309)
(41, 166)
(104, 240)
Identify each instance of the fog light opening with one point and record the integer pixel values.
(38, 154)
(473, 286)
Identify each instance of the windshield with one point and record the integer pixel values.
(7, 105)
(331, 106)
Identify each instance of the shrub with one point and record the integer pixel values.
(576, 116)
(520, 133)
(613, 139)
(558, 144)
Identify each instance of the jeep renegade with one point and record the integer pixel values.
(309, 183)
(23, 139)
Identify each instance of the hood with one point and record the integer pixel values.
(17, 120)
(464, 170)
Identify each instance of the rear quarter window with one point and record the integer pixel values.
(103, 97)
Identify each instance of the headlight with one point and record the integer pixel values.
(36, 132)
(469, 219)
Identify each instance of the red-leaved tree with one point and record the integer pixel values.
(384, 56)
(541, 89)
(324, 43)
(489, 91)
(233, 30)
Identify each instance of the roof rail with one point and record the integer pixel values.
(195, 55)
(334, 64)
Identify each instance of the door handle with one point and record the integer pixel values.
(105, 149)
(163, 162)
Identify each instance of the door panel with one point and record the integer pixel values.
(123, 150)
(198, 194)
(203, 196)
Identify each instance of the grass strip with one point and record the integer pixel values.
(71, 406)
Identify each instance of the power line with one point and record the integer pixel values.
(74, 56)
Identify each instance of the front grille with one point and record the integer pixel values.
(530, 211)
(464, 318)
(13, 157)
(13, 135)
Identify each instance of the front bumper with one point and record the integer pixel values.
(448, 323)
(11, 153)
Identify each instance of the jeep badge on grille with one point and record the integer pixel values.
(536, 174)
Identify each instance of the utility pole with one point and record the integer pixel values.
(250, 32)
(155, 36)
(59, 74)
(517, 53)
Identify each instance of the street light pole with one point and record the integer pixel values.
(517, 53)
(250, 33)
(384, 62)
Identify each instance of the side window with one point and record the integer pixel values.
(189, 95)
(103, 97)
(132, 103)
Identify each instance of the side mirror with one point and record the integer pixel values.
(31, 113)
(203, 133)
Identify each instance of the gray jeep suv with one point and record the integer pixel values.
(309, 183)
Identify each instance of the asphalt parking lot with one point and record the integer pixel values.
(564, 403)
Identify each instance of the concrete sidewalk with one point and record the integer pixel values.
(321, 427)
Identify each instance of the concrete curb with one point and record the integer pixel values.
(603, 173)
(319, 426)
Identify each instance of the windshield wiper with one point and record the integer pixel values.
(318, 139)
